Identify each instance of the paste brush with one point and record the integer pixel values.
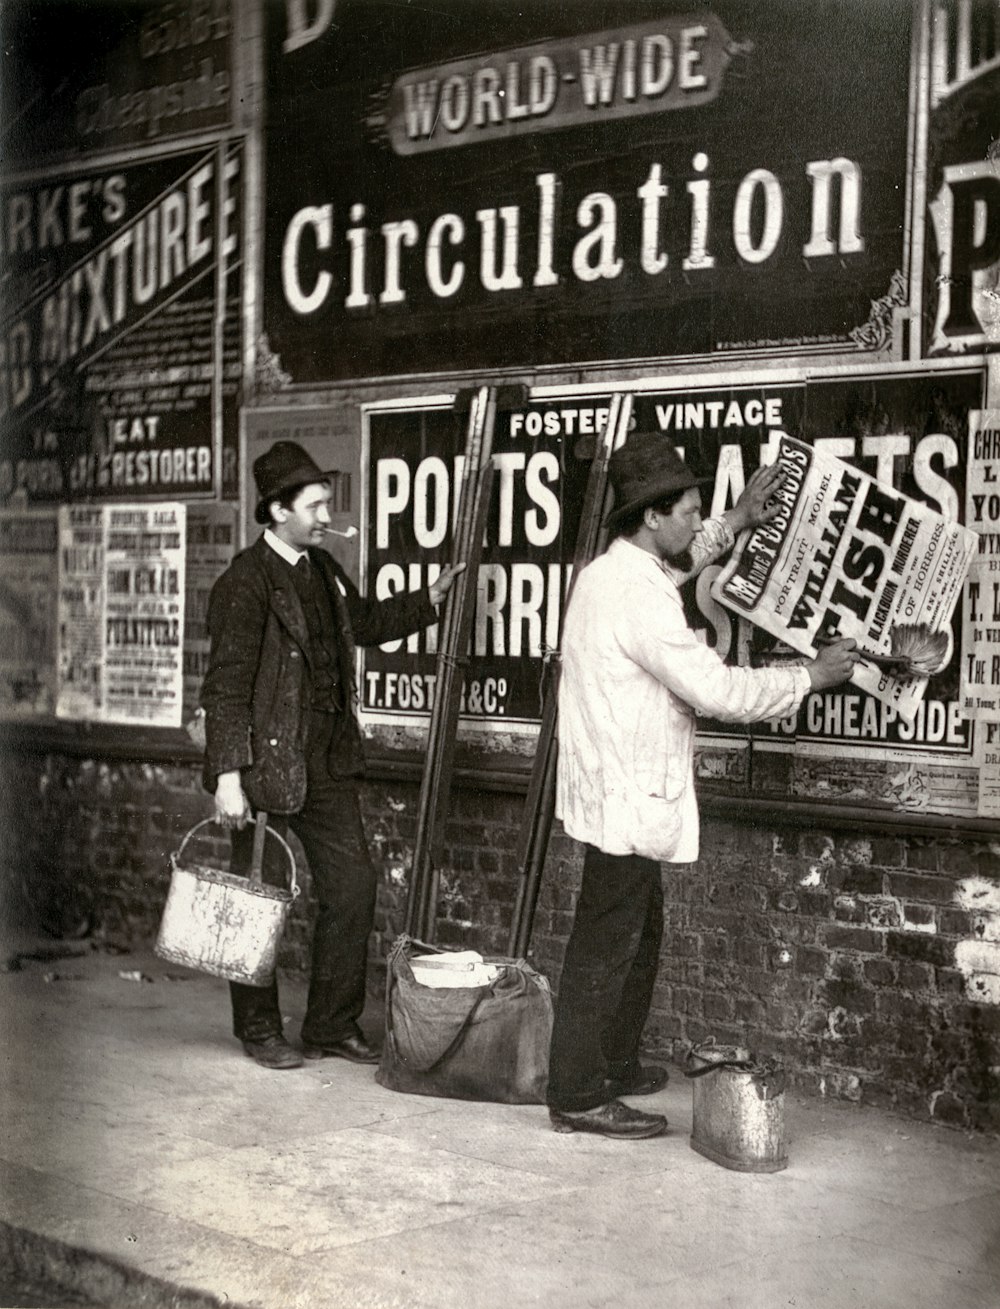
(915, 650)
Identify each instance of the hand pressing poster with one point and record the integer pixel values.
(848, 557)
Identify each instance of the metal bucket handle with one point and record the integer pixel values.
(712, 1065)
(744, 1066)
(769, 1080)
(261, 830)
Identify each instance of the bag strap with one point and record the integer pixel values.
(398, 955)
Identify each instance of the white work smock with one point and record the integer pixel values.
(634, 675)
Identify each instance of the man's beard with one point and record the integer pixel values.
(682, 560)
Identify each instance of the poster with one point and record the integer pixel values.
(118, 76)
(908, 434)
(121, 613)
(211, 542)
(413, 474)
(961, 282)
(28, 585)
(82, 556)
(120, 338)
(848, 557)
(988, 763)
(478, 187)
(980, 669)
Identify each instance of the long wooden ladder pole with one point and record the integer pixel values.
(539, 805)
(452, 660)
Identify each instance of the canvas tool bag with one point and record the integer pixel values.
(470, 1042)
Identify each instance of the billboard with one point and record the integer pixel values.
(98, 76)
(120, 329)
(962, 259)
(588, 182)
(906, 436)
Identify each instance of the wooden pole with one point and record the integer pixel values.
(539, 805)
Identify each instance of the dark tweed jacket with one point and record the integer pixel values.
(256, 692)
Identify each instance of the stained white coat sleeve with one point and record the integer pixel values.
(656, 636)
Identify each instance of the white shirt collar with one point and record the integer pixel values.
(639, 557)
(644, 559)
(286, 552)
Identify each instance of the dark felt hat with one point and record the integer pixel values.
(645, 469)
(282, 468)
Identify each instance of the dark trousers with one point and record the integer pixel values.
(343, 881)
(607, 978)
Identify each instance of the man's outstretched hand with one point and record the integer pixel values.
(440, 588)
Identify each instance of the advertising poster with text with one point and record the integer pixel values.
(961, 283)
(211, 543)
(907, 435)
(540, 465)
(465, 186)
(120, 337)
(121, 613)
(980, 684)
(28, 587)
(981, 614)
(844, 557)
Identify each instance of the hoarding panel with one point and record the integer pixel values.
(450, 190)
(906, 433)
(117, 332)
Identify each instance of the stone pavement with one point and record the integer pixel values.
(145, 1160)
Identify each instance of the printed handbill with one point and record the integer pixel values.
(988, 763)
(80, 663)
(980, 664)
(848, 557)
(980, 679)
(121, 613)
(27, 612)
(211, 539)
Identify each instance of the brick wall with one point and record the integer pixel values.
(866, 964)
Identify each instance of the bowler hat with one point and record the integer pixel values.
(644, 470)
(283, 468)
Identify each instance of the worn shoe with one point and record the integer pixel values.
(611, 1119)
(647, 1081)
(354, 1048)
(273, 1052)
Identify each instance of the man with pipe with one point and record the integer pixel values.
(282, 736)
(634, 677)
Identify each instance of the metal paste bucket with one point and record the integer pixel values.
(223, 924)
(738, 1117)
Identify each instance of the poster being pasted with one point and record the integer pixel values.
(121, 613)
(848, 557)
